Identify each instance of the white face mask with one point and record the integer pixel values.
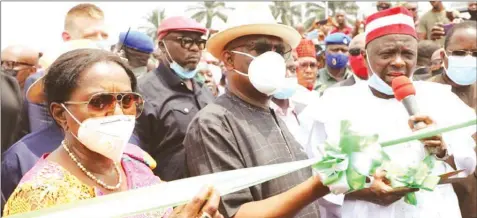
(107, 136)
(266, 72)
(376, 82)
(462, 70)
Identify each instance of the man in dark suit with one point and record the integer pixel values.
(11, 109)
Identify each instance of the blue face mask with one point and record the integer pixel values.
(288, 89)
(462, 70)
(182, 72)
(376, 82)
(178, 69)
(336, 61)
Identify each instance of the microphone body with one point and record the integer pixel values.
(410, 104)
(404, 91)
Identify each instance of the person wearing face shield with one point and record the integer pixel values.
(173, 95)
(371, 107)
(460, 59)
(240, 130)
(336, 68)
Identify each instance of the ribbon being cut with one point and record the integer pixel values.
(344, 168)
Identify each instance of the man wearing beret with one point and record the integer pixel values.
(136, 47)
(172, 95)
(336, 68)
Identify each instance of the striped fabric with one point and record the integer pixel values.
(396, 20)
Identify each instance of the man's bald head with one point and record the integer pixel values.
(21, 54)
(359, 41)
(20, 62)
(300, 28)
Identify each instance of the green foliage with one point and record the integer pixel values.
(208, 10)
(154, 19)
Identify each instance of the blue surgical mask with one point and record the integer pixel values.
(336, 61)
(462, 70)
(376, 82)
(178, 69)
(288, 89)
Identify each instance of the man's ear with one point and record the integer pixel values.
(228, 60)
(66, 36)
(59, 115)
(443, 55)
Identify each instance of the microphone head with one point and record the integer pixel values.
(402, 87)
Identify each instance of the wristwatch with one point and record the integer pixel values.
(446, 156)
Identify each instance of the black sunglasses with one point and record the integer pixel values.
(98, 104)
(262, 46)
(463, 53)
(187, 42)
(355, 51)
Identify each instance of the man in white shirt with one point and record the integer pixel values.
(285, 108)
(391, 51)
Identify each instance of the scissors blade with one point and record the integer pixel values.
(445, 178)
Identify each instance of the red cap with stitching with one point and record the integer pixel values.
(402, 87)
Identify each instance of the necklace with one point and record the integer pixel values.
(90, 175)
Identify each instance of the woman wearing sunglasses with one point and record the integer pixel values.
(92, 96)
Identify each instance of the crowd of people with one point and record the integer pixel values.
(88, 119)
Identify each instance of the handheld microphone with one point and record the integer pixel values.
(405, 92)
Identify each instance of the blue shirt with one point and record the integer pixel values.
(38, 114)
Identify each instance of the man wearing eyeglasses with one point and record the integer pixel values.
(460, 60)
(172, 95)
(336, 68)
(20, 62)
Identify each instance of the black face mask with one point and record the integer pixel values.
(11, 72)
(438, 71)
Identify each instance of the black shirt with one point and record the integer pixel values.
(169, 108)
(11, 100)
(232, 134)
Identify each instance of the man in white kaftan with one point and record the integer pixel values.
(372, 108)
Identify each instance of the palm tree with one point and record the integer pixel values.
(286, 12)
(154, 19)
(314, 12)
(208, 10)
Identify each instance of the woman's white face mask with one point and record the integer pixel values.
(107, 136)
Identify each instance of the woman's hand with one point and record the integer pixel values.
(204, 205)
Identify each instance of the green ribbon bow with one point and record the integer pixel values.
(346, 166)
(413, 177)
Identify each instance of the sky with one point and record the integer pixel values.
(40, 23)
